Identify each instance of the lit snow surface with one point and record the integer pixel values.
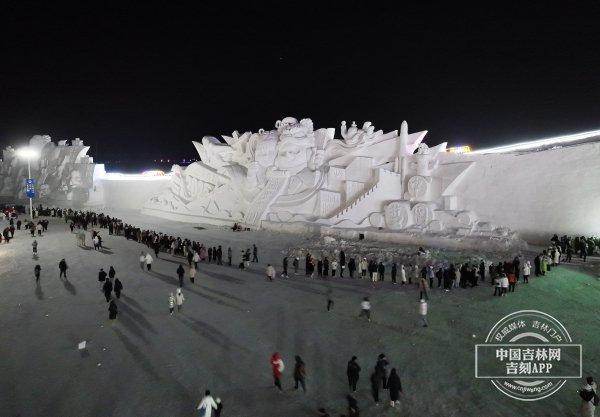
(148, 363)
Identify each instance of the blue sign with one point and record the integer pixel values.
(30, 187)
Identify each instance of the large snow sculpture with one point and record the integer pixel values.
(62, 173)
(295, 174)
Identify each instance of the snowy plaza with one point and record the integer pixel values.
(147, 362)
(299, 209)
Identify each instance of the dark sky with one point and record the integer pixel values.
(140, 82)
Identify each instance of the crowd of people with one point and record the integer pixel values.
(423, 275)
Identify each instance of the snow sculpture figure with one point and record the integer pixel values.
(61, 172)
(354, 136)
(295, 147)
(295, 173)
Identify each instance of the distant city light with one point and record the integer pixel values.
(150, 175)
(459, 149)
(154, 173)
(523, 146)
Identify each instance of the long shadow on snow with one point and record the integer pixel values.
(139, 317)
(211, 333)
(147, 366)
(190, 288)
(222, 277)
(222, 294)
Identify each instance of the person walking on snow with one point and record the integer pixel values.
(111, 272)
(142, 260)
(34, 246)
(423, 312)
(62, 266)
(112, 310)
(254, 253)
(270, 272)
(179, 298)
(363, 267)
(526, 271)
(284, 274)
(101, 275)
(148, 259)
(192, 273)
(180, 273)
(107, 288)
(171, 303)
(36, 272)
(299, 373)
(196, 259)
(277, 368)
(207, 405)
(118, 287)
(395, 387)
(365, 308)
(353, 373)
(375, 385)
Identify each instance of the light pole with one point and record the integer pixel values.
(29, 154)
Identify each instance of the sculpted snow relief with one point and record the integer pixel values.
(296, 174)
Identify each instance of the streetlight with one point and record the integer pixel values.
(29, 154)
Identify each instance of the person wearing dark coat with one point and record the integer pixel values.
(482, 270)
(319, 268)
(101, 275)
(36, 272)
(375, 384)
(325, 267)
(118, 287)
(381, 271)
(353, 372)
(111, 272)
(299, 373)
(112, 310)
(395, 388)
(219, 252)
(180, 272)
(394, 272)
(537, 266)
(516, 267)
(380, 367)
(62, 266)
(285, 267)
(307, 264)
(107, 288)
(351, 267)
(342, 263)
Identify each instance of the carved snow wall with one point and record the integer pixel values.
(296, 174)
(63, 174)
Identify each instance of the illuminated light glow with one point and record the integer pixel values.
(27, 153)
(523, 146)
(117, 176)
(459, 149)
(154, 173)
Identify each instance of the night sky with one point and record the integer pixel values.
(139, 83)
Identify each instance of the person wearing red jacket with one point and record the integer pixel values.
(277, 367)
(512, 280)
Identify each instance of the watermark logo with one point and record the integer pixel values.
(528, 355)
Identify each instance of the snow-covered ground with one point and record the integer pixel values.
(148, 363)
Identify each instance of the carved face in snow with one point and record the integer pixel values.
(266, 149)
(293, 155)
(75, 180)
